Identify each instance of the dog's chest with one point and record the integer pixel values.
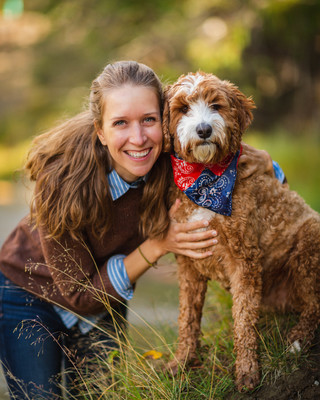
(189, 211)
(215, 267)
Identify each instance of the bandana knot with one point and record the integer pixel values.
(208, 185)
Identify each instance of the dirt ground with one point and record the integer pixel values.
(303, 384)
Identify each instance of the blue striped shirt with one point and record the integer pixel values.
(278, 172)
(115, 266)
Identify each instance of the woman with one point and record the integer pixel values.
(99, 177)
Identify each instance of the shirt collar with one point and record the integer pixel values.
(118, 186)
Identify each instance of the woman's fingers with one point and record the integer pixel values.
(197, 255)
(191, 226)
(192, 239)
(197, 245)
(196, 236)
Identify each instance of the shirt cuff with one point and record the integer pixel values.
(278, 172)
(118, 276)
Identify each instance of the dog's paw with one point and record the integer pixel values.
(247, 373)
(247, 381)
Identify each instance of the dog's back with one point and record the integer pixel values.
(275, 215)
(286, 232)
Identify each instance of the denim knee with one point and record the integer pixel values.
(30, 342)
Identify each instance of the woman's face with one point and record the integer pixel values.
(131, 128)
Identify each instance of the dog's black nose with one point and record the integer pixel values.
(204, 130)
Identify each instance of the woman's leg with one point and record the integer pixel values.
(30, 343)
(89, 352)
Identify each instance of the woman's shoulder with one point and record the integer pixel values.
(23, 242)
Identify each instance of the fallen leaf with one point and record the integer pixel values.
(152, 354)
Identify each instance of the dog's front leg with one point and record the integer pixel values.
(246, 286)
(193, 288)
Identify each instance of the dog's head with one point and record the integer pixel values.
(204, 118)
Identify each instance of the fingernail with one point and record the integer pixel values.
(206, 223)
(214, 233)
(214, 241)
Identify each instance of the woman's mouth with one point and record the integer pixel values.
(138, 154)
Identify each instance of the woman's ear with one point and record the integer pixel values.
(167, 143)
(99, 132)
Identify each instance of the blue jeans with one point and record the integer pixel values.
(33, 342)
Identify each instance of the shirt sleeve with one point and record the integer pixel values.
(278, 172)
(118, 276)
(80, 283)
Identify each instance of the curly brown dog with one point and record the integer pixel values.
(269, 239)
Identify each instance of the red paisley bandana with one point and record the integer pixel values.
(185, 173)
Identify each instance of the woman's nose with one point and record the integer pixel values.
(137, 135)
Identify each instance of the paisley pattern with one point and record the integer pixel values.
(208, 186)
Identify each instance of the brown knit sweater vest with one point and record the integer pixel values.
(67, 272)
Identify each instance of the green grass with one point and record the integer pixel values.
(131, 376)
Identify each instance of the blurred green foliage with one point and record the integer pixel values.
(270, 48)
(299, 158)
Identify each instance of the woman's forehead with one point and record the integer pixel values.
(128, 97)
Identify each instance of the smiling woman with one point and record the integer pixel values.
(99, 177)
(131, 130)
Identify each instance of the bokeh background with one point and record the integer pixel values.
(51, 50)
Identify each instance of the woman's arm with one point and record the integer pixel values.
(80, 283)
(181, 238)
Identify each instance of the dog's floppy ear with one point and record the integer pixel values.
(167, 143)
(243, 105)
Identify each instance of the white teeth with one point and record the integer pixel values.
(139, 154)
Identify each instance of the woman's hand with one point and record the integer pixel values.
(183, 238)
(257, 162)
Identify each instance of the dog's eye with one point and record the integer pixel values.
(184, 109)
(215, 106)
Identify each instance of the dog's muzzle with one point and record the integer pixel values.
(204, 130)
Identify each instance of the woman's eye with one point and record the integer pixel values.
(215, 106)
(119, 123)
(184, 109)
(149, 119)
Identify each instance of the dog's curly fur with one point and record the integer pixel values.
(268, 250)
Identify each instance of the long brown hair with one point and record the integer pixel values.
(70, 166)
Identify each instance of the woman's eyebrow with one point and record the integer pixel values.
(152, 112)
(118, 117)
(125, 116)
